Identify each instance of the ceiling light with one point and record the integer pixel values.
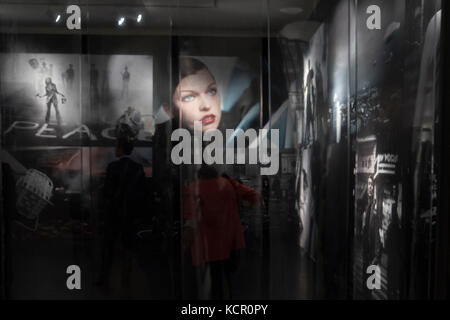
(139, 18)
(291, 10)
(121, 21)
(58, 18)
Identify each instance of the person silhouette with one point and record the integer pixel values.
(51, 93)
(70, 76)
(125, 195)
(309, 134)
(125, 83)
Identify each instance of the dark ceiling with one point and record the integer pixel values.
(182, 17)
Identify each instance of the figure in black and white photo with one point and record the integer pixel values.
(44, 69)
(34, 64)
(64, 79)
(391, 241)
(125, 83)
(310, 94)
(372, 245)
(69, 77)
(51, 93)
(42, 75)
(94, 76)
(320, 118)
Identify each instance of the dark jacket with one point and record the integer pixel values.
(125, 194)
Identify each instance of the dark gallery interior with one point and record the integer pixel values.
(224, 149)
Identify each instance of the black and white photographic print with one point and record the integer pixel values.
(61, 99)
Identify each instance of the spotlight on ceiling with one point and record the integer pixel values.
(58, 17)
(139, 18)
(121, 21)
(291, 10)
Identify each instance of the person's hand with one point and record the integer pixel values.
(187, 237)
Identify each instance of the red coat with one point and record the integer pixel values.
(212, 204)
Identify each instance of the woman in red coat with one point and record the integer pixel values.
(213, 229)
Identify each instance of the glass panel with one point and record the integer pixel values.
(42, 151)
(217, 87)
(315, 168)
(395, 183)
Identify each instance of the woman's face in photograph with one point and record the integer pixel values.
(197, 98)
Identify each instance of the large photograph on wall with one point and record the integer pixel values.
(60, 116)
(380, 155)
(65, 99)
(394, 208)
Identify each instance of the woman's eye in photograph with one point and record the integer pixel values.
(212, 91)
(188, 98)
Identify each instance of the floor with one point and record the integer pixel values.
(38, 263)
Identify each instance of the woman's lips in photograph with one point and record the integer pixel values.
(210, 118)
